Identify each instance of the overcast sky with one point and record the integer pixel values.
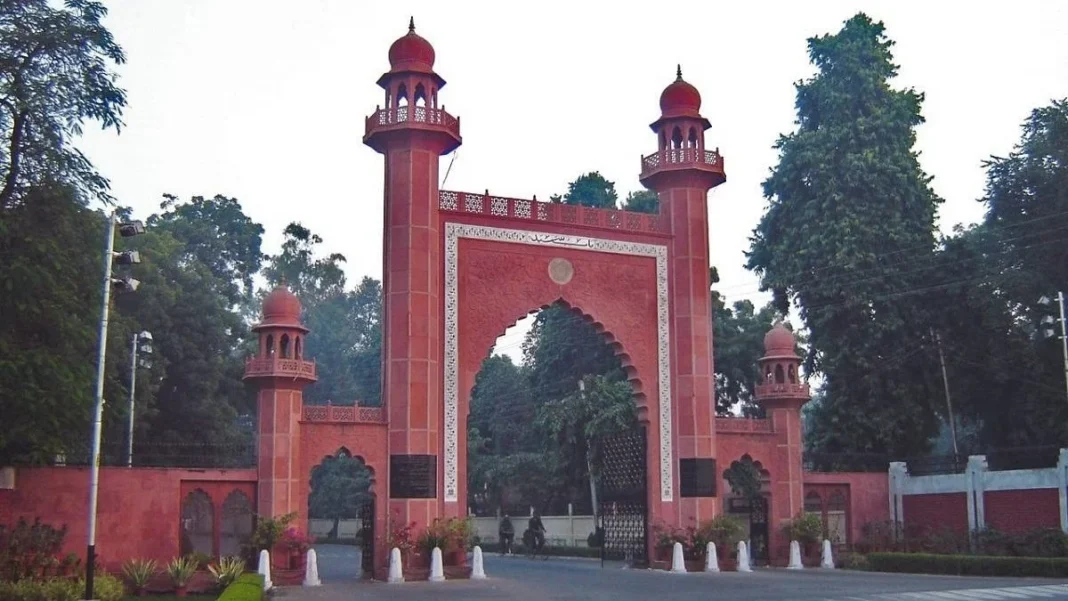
(266, 100)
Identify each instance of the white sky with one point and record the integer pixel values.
(265, 100)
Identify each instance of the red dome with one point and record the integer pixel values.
(680, 98)
(281, 307)
(411, 52)
(779, 341)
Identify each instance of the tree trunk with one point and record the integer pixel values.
(18, 125)
(334, 530)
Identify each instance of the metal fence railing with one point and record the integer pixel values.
(241, 454)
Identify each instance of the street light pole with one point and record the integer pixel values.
(1064, 340)
(102, 342)
(1064, 333)
(133, 389)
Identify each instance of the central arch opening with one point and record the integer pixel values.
(548, 407)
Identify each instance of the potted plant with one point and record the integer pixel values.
(294, 545)
(400, 536)
(139, 572)
(459, 533)
(807, 530)
(228, 569)
(181, 570)
(666, 537)
(724, 531)
(434, 536)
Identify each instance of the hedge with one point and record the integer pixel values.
(105, 588)
(247, 587)
(968, 565)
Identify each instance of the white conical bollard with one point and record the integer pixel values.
(311, 570)
(827, 559)
(264, 569)
(396, 571)
(743, 558)
(795, 556)
(478, 571)
(437, 567)
(711, 558)
(678, 563)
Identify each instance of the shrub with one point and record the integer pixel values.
(227, 571)
(269, 531)
(969, 565)
(723, 530)
(806, 529)
(247, 587)
(853, 561)
(181, 570)
(30, 550)
(105, 588)
(139, 572)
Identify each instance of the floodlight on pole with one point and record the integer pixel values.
(141, 343)
(108, 282)
(1050, 333)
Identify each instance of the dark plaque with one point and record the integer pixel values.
(413, 476)
(697, 477)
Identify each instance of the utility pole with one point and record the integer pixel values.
(589, 464)
(145, 337)
(1048, 320)
(949, 403)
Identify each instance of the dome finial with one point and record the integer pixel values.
(411, 24)
(678, 72)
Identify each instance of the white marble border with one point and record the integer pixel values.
(455, 231)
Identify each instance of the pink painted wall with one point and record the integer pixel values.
(868, 494)
(138, 508)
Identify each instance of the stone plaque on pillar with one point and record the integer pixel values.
(413, 476)
(697, 477)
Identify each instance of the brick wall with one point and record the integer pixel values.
(937, 512)
(1022, 510)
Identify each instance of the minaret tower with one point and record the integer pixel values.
(682, 171)
(282, 373)
(413, 132)
(782, 394)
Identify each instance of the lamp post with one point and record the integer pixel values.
(1049, 332)
(145, 338)
(122, 284)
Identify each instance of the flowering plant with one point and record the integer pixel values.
(400, 536)
(296, 540)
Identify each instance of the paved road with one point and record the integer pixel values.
(577, 579)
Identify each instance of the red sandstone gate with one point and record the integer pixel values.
(459, 268)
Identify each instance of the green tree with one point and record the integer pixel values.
(1027, 203)
(738, 333)
(850, 215)
(644, 201)
(346, 325)
(216, 232)
(560, 349)
(590, 190)
(55, 73)
(502, 407)
(339, 487)
(50, 266)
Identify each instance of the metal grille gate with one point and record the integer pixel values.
(367, 539)
(623, 502)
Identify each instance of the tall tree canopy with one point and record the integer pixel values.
(850, 211)
(55, 73)
(346, 325)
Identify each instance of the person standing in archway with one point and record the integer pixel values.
(506, 532)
